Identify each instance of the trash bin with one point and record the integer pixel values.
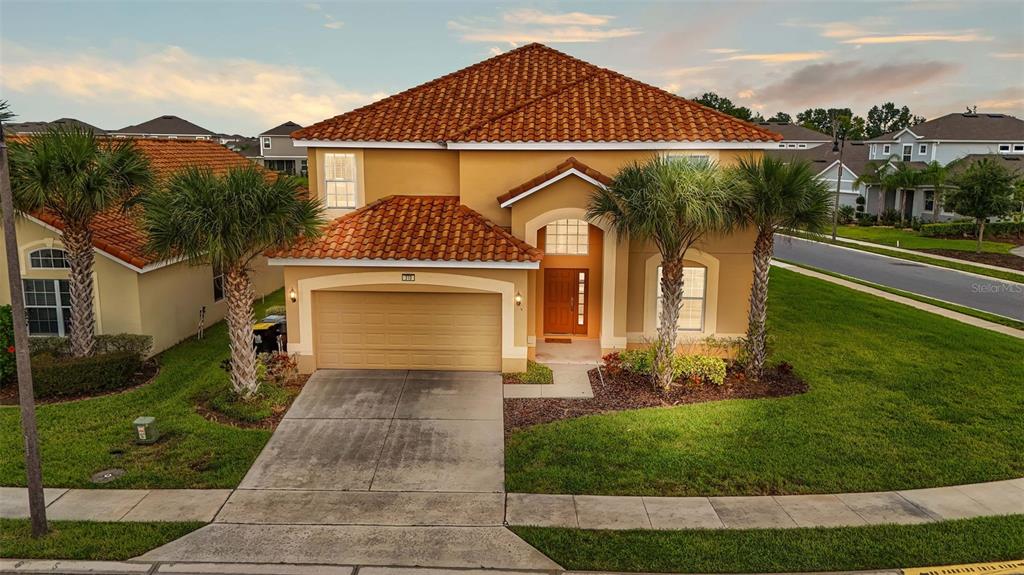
(270, 334)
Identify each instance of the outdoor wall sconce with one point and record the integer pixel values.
(292, 295)
(519, 299)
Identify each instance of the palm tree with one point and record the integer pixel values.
(903, 177)
(778, 195)
(74, 175)
(936, 175)
(226, 222)
(873, 176)
(673, 204)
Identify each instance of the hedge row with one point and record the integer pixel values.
(75, 376)
(970, 229)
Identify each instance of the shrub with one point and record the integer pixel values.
(253, 410)
(126, 342)
(969, 229)
(275, 368)
(694, 368)
(8, 369)
(889, 217)
(276, 310)
(865, 220)
(860, 201)
(55, 376)
(846, 214)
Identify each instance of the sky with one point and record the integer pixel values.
(245, 67)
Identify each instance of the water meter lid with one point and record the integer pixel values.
(145, 420)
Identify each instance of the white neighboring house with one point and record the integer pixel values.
(944, 140)
(828, 168)
(795, 136)
(167, 126)
(278, 151)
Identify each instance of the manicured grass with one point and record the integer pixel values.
(536, 373)
(87, 540)
(999, 319)
(911, 240)
(913, 257)
(82, 437)
(899, 398)
(783, 550)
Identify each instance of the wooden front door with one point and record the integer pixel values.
(565, 301)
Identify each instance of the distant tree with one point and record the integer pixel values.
(822, 120)
(984, 190)
(723, 104)
(888, 118)
(781, 117)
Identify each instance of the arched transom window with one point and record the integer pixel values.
(567, 237)
(48, 259)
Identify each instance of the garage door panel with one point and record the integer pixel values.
(395, 330)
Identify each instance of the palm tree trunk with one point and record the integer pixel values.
(881, 204)
(83, 315)
(757, 332)
(238, 290)
(981, 234)
(671, 299)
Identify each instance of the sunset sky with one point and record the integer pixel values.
(246, 66)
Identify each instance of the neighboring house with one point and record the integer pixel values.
(168, 127)
(458, 238)
(279, 152)
(134, 292)
(943, 140)
(826, 165)
(23, 128)
(795, 136)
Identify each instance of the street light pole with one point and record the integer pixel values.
(33, 467)
(838, 145)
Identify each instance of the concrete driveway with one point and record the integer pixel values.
(388, 431)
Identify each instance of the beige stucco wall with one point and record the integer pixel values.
(410, 173)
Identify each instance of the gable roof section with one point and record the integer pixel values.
(117, 233)
(415, 228)
(284, 129)
(571, 166)
(855, 156)
(1014, 163)
(795, 132)
(165, 125)
(968, 127)
(534, 94)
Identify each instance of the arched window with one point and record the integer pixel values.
(48, 259)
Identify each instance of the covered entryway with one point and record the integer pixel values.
(407, 330)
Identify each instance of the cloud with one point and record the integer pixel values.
(1009, 55)
(818, 83)
(842, 28)
(685, 71)
(332, 24)
(313, 7)
(963, 36)
(525, 26)
(722, 50)
(170, 76)
(777, 57)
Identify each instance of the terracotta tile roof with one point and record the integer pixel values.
(435, 228)
(568, 164)
(116, 232)
(534, 94)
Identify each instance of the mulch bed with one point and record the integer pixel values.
(149, 371)
(627, 391)
(1003, 260)
(293, 385)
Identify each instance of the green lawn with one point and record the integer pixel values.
(899, 399)
(87, 540)
(82, 437)
(911, 240)
(781, 550)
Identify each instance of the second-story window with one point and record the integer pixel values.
(266, 143)
(886, 149)
(922, 149)
(907, 148)
(340, 180)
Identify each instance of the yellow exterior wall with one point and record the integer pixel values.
(410, 173)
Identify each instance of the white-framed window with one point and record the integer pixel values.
(886, 149)
(218, 284)
(266, 143)
(691, 313)
(907, 150)
(47, 306)
(1018, 148)
(340, 180)
(922, 149)
(48, 259)
(304, 168)
(1004, 148)
(929, 201)
(567, 237)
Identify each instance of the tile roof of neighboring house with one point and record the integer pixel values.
(39, 127)
(534, 94)
(165, 125)
(959, 126)
(568, 164)
(1014, 163)
(282, 130)
(436, 228)
(795, 132)
(116, 232)
(855, 156)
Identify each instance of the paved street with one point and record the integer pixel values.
(987, 294)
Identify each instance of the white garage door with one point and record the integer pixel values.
(394, 330)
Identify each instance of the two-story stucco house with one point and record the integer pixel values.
(943, 140)
(280, 153)
(458, 238)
